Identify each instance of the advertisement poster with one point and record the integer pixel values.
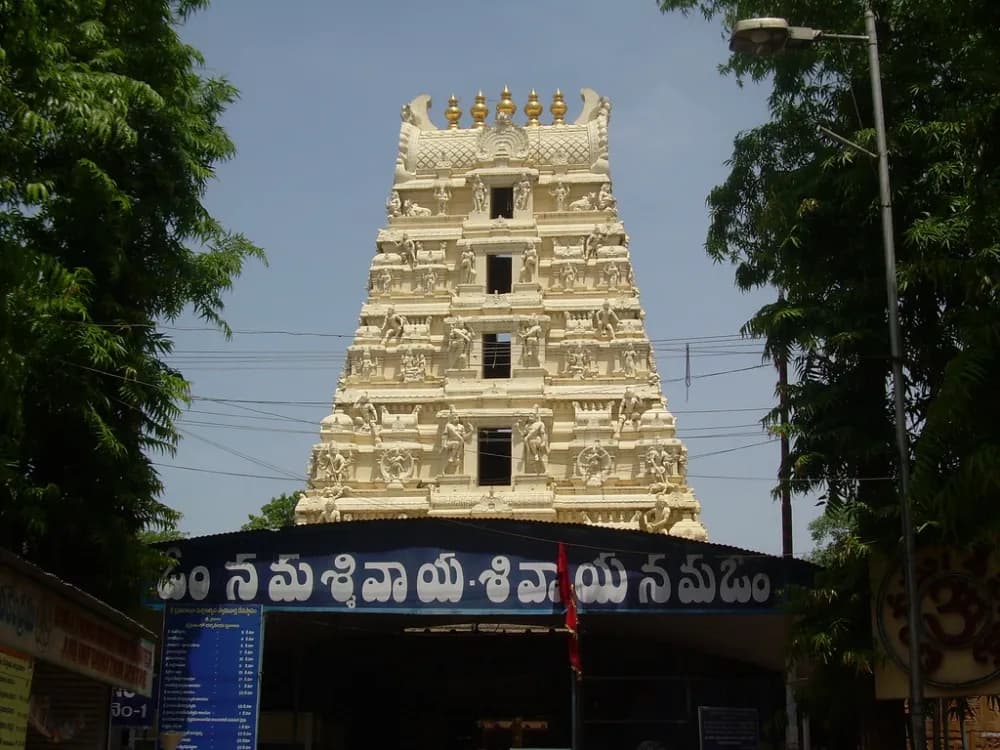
(15, 692)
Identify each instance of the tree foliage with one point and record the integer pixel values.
(109, 134)
(276, 514)
(800, 212)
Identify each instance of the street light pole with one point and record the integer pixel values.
(918, 727)
(764, 36)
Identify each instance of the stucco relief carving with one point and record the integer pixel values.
(606, 320)
(503, 141)
(605, 201)
(366, 416)
(568, 275)
(580, 362)
(454, 436)
(413, 366)
(660, 465)
(584, 203)
(442, 194)
(522, 192)
(412, 208)
(393, 326)
(428, 281)
(467, 266)
(328, 464)
(460, 338)
(396, 465)
(630, 410)
(480, 195)
(560, 192)
(612, 275)
(529, 263)
(383, 280)
(535, 438)
(393, 205)
(594, 465)
(531, 334)
(630, 361)
(365, 365)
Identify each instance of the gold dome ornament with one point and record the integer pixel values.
(452, 113)
(533, 109)
(479, 110)
(506, 105)
(558, 108)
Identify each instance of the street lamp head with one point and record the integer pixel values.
(760, 37)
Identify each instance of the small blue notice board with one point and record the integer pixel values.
(209, 675)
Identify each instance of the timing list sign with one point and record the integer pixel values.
(209, 676)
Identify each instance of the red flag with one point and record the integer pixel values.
(568, 596)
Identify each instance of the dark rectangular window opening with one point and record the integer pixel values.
(502, 203)
(499, 274)
(494, 457)
(496, 355)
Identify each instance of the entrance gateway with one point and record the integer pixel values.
(500, 402)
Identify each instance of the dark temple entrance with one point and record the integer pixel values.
(355, 682)
(384, 682)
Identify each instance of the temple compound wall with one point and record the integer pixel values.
(501, 366)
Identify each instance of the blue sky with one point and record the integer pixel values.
(316, 131)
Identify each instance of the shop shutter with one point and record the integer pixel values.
(77, 707)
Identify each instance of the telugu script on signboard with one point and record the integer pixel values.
(449, 580)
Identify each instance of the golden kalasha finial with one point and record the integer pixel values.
(506, 105)
(558, 108)
(533, 109)
(452, 113)
(479, 110)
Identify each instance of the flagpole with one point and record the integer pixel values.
(575, 716)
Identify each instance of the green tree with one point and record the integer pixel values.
(277, 513)
(800, 212)
(109, 133)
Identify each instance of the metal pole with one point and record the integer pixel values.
(574, 710)
(786, 490)
(918, 728)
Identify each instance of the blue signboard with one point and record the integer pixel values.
(725, 728)
(129, 710)
(431, 566)
(209, 676)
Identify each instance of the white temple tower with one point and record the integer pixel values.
(501, 367)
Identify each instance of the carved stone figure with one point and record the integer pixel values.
(594, 240)
(367, 366)
(480, 195)
(605, 320)
(579, 362)
(612, 275)
(658, 518)
(413, 366)
(567, 274)
(393, 325)
(412, 208)
(328, 464)
(467, 266)
(594, 464)
(442, 195)
(367, 415)
(560, 192)
(529, 263)
(384, 281)
(459, 344)
(394, 205)
(605, 200)
(630, 360)
(429, 281)
(658, 465)
(530, 335)
(535, 437)
(630, 409)
(454, 436)
(408, 250)
(396, 465)
(522, 192)
(586, 203)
